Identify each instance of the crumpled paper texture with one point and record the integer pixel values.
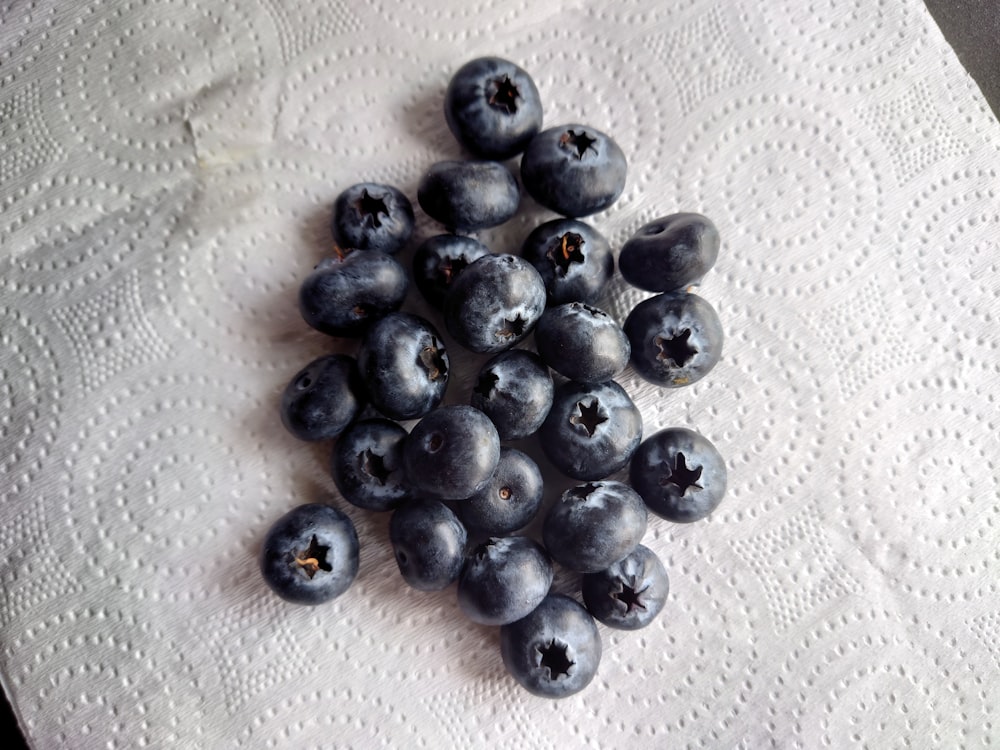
(166, 173)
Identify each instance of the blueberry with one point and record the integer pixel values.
(439, 260)
(594, 525)
(492, 107)
(370, 216)
(469, 195)
(574, 260)
(310, 554)
(367, 465)
(514, 389)
(344, 294)
(323, 398)
(680, 474)
(494, 303)
(592, 430)
(428, 541)
(670, 253)
(574, 170)
(629, 594)
(676, 338)
(503, 580)
(582, 342)
(404, 361)
(509, 500)
(451, 453)
(554, 651)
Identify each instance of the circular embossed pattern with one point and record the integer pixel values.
(148, 472)
(30, 401)
(379, 129)
(917, 487)
(76, 259)
(90, 663)
(842, 47)
(948, 240)
(872, 679)
(793, 189)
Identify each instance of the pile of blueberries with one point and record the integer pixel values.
(458, 491)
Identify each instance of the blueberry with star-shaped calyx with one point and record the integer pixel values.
(675, 338)
(371, 216)
(575, 170)
(592, 430)
(680, 474)
(629, 594)
(311, 554)
(492, 107)
(367, 465)
(554, 651)
(494, 303)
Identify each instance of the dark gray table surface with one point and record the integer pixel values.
(972, 28)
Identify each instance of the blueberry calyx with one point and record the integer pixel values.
(589, 417)
(681, 475)
(569, 250)
(580, 141)
(433, 362)
(630, 597)
(505, 95)
(313, 559)
(675, 349)
(374, 466)
(369, 207)
(512, 327)
(554, 657)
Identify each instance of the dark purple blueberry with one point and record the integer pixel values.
(555, 651)
(594, 525)
(592, 430)
(676, 338)
(679, 474)
(439, 260)
(367, 465)
(310, 554)
(469, 195)
(370, 216)
(582, 342)
(404, 362)
(492, 107)
(451, 453)
(503, 579)
(494, 303)
(343, 295)
(574, 170)
(428, 541)
(670, 253)
(514, 389)
(509, 500)
(574, 260)
(323, 398)
(630, 593)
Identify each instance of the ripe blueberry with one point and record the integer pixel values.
(680, 474)
(370, 216)
(310, 554)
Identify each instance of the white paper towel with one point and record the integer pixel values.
(166, 173)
